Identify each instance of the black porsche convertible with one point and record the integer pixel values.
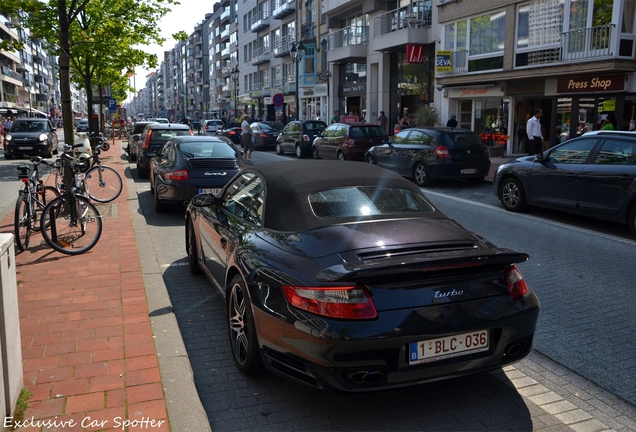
(343, 276)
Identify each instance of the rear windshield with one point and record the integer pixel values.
(315, 127)
(366, 131)
(211, 149)
(367, 201)
(272, 126)
(460, 140)
(165, 135)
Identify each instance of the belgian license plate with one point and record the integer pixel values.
(25, 148)
(209, 191)
(446, 347)
(469, 171)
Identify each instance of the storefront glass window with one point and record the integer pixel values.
(489, 115)
(355, 73)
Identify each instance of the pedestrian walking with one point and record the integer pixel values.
(335, 118)
(452, 122)
(383, 121)
(533, 129)
(246, 137)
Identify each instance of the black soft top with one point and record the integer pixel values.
(289, 184)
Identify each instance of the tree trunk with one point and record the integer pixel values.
(65, 75)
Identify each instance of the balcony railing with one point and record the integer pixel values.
(283, 45)
(282, 8)
(587, 43)
(415, 15)
(8, 72)
(353, 35)
(260, 55)
(260, 21)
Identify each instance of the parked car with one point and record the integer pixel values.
(152, 140)
(30, 137)
(82, 125)
(433, 153)
(190, 165)
(593, 175)
(134, 139)
(233, 133)
(347, 141)
(342, 275)
(211, 126)
(265, 133)
(297, 137)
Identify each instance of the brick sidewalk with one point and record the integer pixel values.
(87, 344)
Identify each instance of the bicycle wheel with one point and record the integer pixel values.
(62, 233)
(49, 193)
(22, 222)
(103, 183)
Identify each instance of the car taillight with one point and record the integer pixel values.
(516, 284)
(263, 135)
(191, 132)
(181, 175)
(306, 137)
(348, 302)
(231, 132)
(350, 143)
(146, 144)
(442, 152)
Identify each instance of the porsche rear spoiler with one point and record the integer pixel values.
(431, 262)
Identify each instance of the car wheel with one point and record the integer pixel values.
(314, 153)
(142, 173)
(299, 151)
(191, 249)
(340, 156)
(370, 159)
(632, 221)
(421, 176)
(279, 149)
(159, 206)
(243, 339)
(512, 195)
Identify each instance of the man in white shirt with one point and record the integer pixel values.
(246, 137)
(533, 129)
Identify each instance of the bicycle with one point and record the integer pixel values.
(28, 206)
(71, 224)
(101, 183)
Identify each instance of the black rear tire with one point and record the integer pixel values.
(631, 220)
(22, 222)
(243, 338)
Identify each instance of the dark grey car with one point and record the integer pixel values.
(30, 137)
(593, 175)
(297, 137)
(134, 139)
(154, 136)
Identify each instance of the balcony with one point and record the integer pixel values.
(283, 8)
(197, 40)
(225, 34)
(260, 21)
(396, 28)
(348, 44)
(8, 72)
(226, 16)
(225, 3)
(282, 46)
(225, 52)
(260, 56)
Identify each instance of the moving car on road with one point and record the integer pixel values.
(265, 133)
(343, 276)
(593, 175)
(426, 154)
(30, 137)
(189, 165)
(211, 126)
(347, 141)
(297, 137)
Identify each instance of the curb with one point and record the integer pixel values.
(185, 410)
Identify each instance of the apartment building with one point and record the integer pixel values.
(502, 59)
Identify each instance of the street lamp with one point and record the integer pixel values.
(235, 77)
(297, 53)
(29, 89)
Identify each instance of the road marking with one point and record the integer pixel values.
(533, 218)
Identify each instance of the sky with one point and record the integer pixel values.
(184, 16)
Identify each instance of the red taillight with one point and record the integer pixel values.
(146, 144)
(191, 132)
(181, 175)
(25, 180)
(442, 152)
(305, 137)
(350, 143)
(263, 135)
(516, 284)
(348, 302)
(231, 132)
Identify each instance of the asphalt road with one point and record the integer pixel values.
(582, 271)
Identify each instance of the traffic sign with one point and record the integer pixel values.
(278, 99)
(112, 105)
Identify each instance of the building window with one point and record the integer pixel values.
(487, 34)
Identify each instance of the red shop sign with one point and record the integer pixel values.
(414, 53)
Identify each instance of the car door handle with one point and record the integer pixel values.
(626, 177)
(571, 175)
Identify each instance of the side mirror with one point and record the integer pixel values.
(203, 200)
(538, 158)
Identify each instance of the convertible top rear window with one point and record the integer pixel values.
(367, 201)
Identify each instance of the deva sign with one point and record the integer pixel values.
(443, 62)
